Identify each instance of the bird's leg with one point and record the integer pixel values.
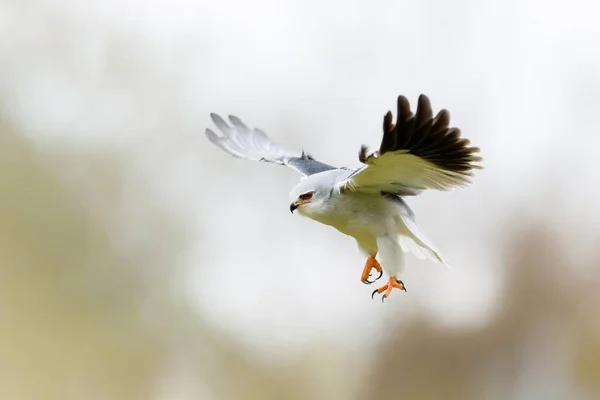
(387, 288)
(369, 265)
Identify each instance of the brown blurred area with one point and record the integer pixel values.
(82, 319)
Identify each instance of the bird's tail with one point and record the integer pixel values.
(413, 239)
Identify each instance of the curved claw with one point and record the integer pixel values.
(369, 265)
(368, 282)
(402, 283)
(386, 289)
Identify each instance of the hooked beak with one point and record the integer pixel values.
(293, 207)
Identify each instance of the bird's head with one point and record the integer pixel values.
(309, 197)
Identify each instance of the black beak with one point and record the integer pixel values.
(293, 207)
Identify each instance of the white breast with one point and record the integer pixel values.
(359, 215)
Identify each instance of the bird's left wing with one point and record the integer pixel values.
(253, 144)
(419, 152)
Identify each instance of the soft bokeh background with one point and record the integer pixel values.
(139, 262)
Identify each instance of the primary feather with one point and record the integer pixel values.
(419, 152)
(253, 144)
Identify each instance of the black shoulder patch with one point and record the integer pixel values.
(307, 165)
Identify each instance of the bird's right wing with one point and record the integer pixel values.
(419, 152)
(253, 144)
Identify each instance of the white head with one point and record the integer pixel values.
(310, 196)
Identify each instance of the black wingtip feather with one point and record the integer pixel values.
(389, 140)
(404, 112)
(428, 137)
(424, 113)
(363, 154)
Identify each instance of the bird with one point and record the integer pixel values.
(418, 152)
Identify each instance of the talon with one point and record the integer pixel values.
(393, 282)
(373, 294)
(380, 290)
(369, 265)
(401, 284)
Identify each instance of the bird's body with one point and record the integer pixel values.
(420, 152)
(374, 220)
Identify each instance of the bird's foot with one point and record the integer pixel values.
(369, 265)
(387, 288)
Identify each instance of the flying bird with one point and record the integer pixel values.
(417, 153)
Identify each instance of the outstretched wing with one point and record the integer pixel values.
(253, 144)
(419, 152)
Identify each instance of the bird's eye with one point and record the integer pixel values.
(305, 196)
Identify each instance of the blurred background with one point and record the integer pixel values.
(137, 261)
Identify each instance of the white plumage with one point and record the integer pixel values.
(419, 152)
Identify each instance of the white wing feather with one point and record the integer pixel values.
(253, 144)
(402, 172)
(413, 239)
(242, 142)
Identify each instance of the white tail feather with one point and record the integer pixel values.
(413, 240)
(391, 255)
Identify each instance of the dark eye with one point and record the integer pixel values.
(305, 196)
